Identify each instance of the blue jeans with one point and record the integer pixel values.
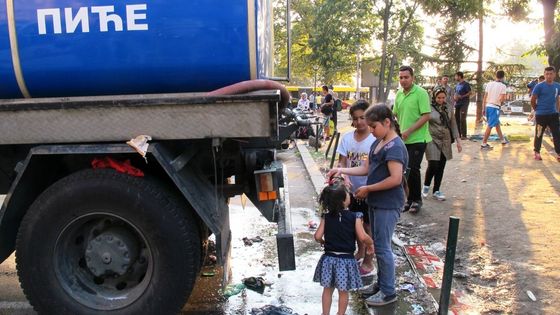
(383, 222)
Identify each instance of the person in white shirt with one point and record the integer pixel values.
(312, 103)
(303, 103)
(494, 96)
(353, 150)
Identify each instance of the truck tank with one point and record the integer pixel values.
(78, 48)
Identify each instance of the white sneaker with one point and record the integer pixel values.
(425, 191)
(439, 196)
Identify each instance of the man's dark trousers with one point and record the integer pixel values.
(415, 156)
(461, 119)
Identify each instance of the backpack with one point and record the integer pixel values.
(338, 105)
(326, 109)
(304, 132)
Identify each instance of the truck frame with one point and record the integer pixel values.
(130, 238)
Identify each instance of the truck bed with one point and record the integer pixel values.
(120, 118)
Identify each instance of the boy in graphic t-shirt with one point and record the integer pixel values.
(353, 150)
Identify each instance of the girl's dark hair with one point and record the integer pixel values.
(379, 113)
(332, 198)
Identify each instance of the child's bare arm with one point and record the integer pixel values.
(361, 233)
(394, 180)
(320, 232)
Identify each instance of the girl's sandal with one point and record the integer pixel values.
(414, 207)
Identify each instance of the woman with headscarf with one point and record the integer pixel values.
(303, 103)
(443, 129)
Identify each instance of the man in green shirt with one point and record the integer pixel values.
(412, 109)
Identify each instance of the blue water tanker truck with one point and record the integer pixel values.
(125, 127)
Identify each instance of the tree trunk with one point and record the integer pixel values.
(390, 78)
(394, 54)
(479, 69)
(386, 16)
(550, 33)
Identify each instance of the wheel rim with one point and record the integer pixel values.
(103, 261)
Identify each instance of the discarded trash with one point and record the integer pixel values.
(531, 296)
(233, 289)
(397, 241)
(463, 180)
(437, 247)
(417, 309)
(212, 259)
(247, 241)
(254, 283)
(257, 239)
(272, 310)
(550, 201)
(120, 166)
(312, 225)
(208, 273)
(140, 144)
(407, 287)
(427, 225)
(460, 275)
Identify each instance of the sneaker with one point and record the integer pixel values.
(538, 156)
(366, 273)
(439, 196)
(485, 146)
(380, 299)
(406, 206)
(369, 289)
(425, 191)
(505, 141)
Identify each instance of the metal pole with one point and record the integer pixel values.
(337, 135)
(316, 137)
(315, 68)
(448, 267)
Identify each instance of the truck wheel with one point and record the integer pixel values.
(99, 241)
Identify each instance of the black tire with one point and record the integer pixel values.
(152, 270)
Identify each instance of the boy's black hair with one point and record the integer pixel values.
(325, 88)
(358, 105)
(500, 74)
(460, 74)
(332, 198)
(550, 68)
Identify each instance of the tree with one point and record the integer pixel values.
(551, 33)
(399, 40)
(325, 33)
(339, 31)
(517, 10)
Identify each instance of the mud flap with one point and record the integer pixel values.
(285, 238)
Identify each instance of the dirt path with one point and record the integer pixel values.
(508, 205)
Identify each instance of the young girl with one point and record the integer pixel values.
(338, 231)
(385, 195)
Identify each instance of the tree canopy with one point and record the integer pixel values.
(333, 36)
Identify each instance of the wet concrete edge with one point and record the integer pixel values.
(317, 178)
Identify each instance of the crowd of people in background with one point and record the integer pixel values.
(379, 161)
